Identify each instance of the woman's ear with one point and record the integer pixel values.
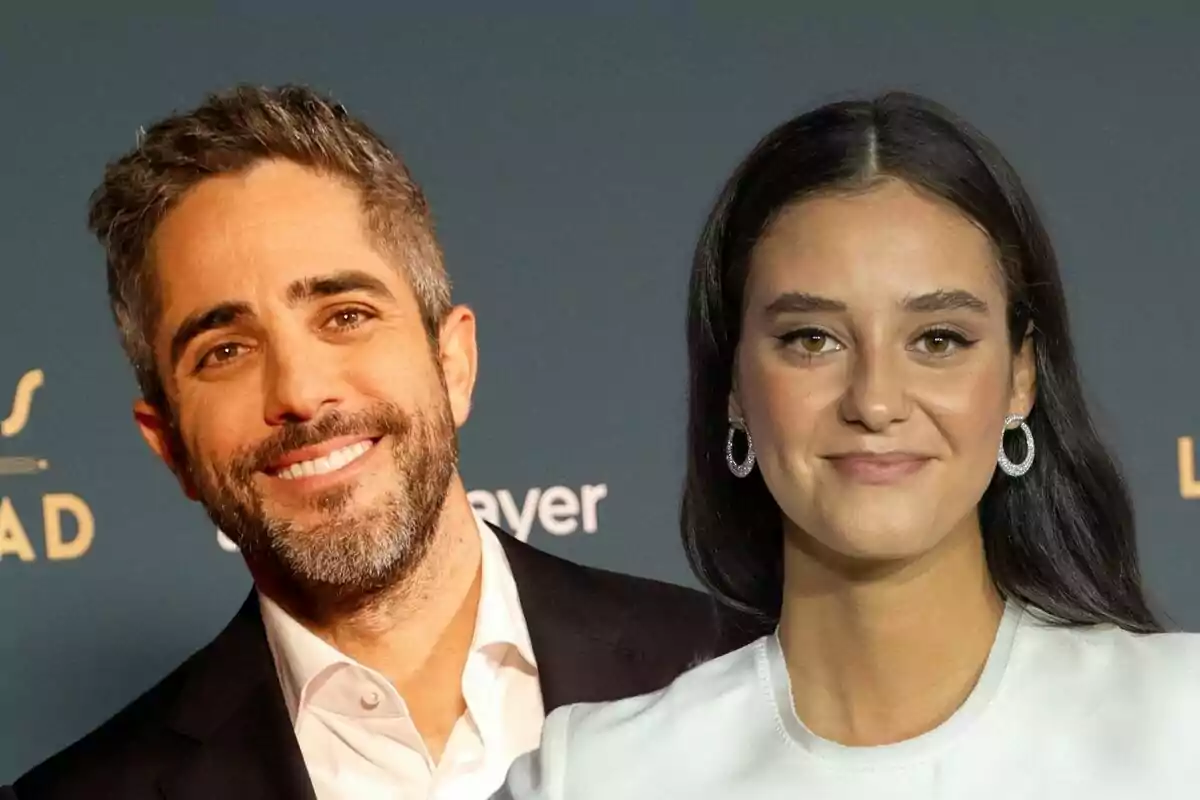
(1024, 378)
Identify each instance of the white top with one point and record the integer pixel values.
(355, 734)
(1066, 714)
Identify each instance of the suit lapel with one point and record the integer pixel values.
(233, 708)
(576, 639)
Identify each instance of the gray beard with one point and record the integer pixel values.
(349, 557)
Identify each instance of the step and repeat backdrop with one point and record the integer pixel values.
(569, 159)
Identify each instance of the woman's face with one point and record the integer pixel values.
(875, 370)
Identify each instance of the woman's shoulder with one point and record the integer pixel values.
(620, 748)
(1104, 669)
(1108, 650)
(709, 690)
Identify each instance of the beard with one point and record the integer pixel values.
(351, 554)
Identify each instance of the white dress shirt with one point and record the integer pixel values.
(354, 729)
(1078, 714)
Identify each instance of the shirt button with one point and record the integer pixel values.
(370, 700)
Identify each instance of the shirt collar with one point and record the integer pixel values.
(301, 657)
(500, 620)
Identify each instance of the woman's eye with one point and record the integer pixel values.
(811, 341)
(942, 342)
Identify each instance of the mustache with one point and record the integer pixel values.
(375, 423)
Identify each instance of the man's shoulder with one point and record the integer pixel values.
(114, 758)
(663, 610)
(651, 599)
(126, 755)
(646, 610)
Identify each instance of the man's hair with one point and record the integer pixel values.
(231, 132)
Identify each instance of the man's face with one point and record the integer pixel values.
(311, 414)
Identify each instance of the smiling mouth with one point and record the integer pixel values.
(325, 464)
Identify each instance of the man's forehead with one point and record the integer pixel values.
(278, 233)
(276, 205)
(255, 258)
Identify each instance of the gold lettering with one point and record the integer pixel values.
(13, 540)
(53, 506)
(1189, 487)
(15, 422)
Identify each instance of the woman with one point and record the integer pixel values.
(890, 456)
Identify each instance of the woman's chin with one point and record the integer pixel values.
(868, 549)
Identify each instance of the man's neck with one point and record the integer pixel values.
(418, 635)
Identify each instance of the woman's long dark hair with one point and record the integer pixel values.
(1060, 538)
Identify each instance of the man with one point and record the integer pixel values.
(280, 293)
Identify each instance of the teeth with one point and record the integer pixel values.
(327, 463)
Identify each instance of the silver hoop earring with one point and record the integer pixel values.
(743, 469)
(1006, 464)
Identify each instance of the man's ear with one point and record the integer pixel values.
(156, 430)
(460, 360)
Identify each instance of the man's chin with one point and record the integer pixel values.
(309, 524)
(319, 563)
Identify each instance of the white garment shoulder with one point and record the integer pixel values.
(1143, 689)
(631, 741)
(1094, 712)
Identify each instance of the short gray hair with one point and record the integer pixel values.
(230, 132)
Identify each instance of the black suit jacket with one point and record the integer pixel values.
(217, 728)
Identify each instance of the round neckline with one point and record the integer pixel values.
(897, 753)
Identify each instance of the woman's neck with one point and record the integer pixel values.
(880, 654)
